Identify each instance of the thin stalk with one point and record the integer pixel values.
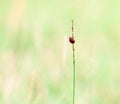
(73, 63)
(73, 73)
(72, 41)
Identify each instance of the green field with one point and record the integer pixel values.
(36, 56)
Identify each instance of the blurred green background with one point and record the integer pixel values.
(36, 57)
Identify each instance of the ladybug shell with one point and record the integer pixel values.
(71, 40)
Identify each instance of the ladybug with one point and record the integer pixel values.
(71, 40)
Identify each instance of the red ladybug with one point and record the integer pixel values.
(71, 40)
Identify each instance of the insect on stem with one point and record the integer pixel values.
(72, 41)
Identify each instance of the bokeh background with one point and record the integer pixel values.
(36, 57)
